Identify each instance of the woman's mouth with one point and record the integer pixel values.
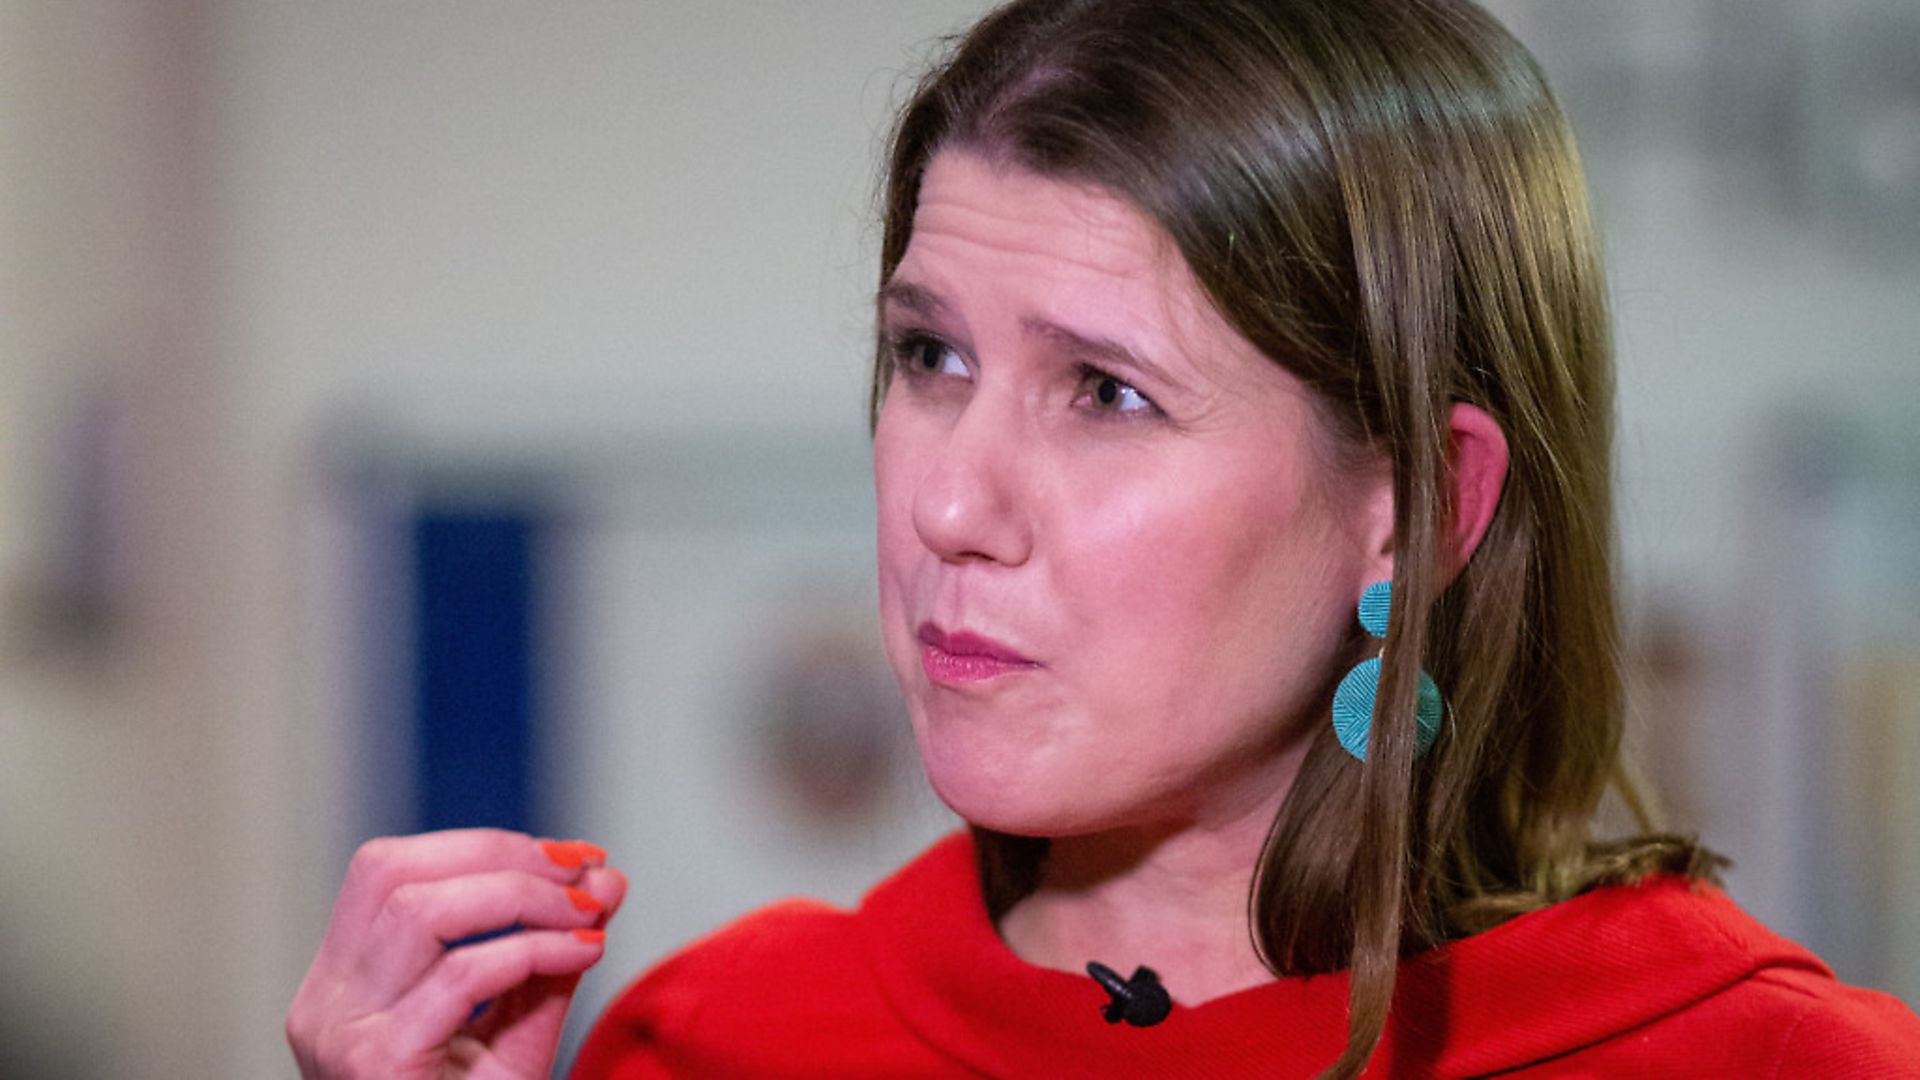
(959, 657)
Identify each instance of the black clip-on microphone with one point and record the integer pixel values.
(1140, 1000)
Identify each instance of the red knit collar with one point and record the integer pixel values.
(1538, 986)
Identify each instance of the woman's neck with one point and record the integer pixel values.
(1174, 900)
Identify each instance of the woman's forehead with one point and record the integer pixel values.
(1058, 251)
(968, 197)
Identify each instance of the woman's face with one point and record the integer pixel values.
(1117, 577)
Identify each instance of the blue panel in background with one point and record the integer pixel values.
(474, 667)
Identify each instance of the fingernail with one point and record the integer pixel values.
(563, 854)
(591, 937)
(583, 900)
(572, 854)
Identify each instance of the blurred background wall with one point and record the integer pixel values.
(331, 331)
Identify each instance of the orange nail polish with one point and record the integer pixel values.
(591, 937)
(591, 852)
(583, 900)
(564, 853)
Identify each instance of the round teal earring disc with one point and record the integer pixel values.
(1353, 706)
(1353, 703)
(1376, 606)
(1429, 711)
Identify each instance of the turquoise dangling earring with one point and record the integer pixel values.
(1353, 698)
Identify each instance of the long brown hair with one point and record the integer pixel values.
(1383, 196)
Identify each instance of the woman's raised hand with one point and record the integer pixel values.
(387, 998)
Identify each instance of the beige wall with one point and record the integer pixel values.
(249, 224)
(115, 809)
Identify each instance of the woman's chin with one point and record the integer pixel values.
(1018, 803)
(1035, 779)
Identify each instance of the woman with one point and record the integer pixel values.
(1220, 345)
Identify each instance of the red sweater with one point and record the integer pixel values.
(1660, 979)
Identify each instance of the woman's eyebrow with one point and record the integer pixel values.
(1096, 352)
(1099, 352)
(915, 298)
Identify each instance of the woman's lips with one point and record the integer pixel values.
(960, 657)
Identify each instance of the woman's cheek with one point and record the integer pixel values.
(1133, 560)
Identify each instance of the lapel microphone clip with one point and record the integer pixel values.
(1140, 1000)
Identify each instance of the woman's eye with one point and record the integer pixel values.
(1105, 393)
(921, 354)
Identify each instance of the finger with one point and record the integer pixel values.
(609, 887)
(472, 1057)
(382, 865)
(522, 1026)
(441, 1002)
(420, 919)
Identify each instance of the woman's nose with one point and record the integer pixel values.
(969, 504)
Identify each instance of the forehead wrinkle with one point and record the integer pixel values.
(1114, 239)
(1086, 258)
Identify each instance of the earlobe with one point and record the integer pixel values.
(1380, 527)
(1476, 475)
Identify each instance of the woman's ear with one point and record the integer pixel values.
(1476, 474)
